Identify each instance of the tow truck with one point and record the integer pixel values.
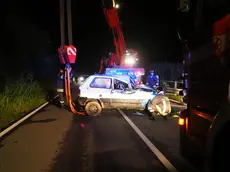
(123, 60)
(204, 31)
(101, 89)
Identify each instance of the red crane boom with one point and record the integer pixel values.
(119, 42)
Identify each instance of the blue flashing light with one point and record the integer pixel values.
(116, 72)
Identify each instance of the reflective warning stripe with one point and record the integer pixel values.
(60, 90)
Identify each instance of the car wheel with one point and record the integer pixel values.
(93, 108)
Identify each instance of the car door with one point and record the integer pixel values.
(121, 97)
(100, 88)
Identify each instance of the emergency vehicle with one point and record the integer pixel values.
(124, 60)
(205, 125)
(135, 74)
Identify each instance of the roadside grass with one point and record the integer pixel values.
(174, 97)
(175, 112)
(19, 97)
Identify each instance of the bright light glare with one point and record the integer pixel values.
(129, 61)
(81, 78)
(117, 6)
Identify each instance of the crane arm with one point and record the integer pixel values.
(119, 42)
(113, 21)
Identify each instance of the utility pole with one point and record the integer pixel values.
(69, 20)
(62, 22)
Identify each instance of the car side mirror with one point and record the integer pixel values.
(181, 93)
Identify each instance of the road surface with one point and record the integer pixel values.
(55, 140)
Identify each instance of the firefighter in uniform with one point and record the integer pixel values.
(60, 87)
(151, 79)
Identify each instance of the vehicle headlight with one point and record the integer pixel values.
(130, 61)
(81, 78)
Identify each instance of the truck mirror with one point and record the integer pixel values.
(184, 5)
(181, 93)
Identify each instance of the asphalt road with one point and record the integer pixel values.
(55, 140)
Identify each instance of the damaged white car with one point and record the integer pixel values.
(112, 91)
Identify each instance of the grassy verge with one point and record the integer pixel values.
(175, 97)
(19, 97)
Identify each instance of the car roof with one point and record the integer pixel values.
(124, 78)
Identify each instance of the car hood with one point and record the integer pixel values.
(144, 88)
(142, 94)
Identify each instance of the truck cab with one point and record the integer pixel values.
(204, 30)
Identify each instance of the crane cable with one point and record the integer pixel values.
(68, 93)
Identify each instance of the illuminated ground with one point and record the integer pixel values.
(55, 140)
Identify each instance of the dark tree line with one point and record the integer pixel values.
(25, 45)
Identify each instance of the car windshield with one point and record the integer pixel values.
(120, 85)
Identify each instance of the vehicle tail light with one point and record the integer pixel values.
(183, 118)
(181, 121)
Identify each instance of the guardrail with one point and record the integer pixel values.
(172, 87)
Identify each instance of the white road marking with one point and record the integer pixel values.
(24, 118)
(151, 146)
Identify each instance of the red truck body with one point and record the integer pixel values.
(207, 83)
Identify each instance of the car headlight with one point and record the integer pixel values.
(81, 79)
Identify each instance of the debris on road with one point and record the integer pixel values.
(138, 113)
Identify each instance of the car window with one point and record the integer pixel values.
(120, 85)
(100, 82)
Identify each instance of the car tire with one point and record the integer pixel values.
(93, 108)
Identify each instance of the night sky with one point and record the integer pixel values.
(150, 28)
